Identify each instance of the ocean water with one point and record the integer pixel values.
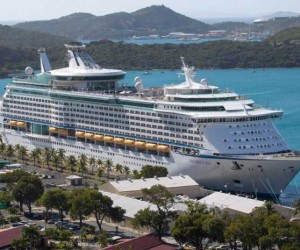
(274, 88)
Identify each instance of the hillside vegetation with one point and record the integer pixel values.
(16, 37)
(146, 21)
(219, 54)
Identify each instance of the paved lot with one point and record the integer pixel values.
(58, 178)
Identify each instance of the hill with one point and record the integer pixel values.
(291, 35)
(150, 20)
(16, 37)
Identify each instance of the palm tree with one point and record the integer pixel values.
(9, 151)
(2, 149)
(22, 153)
(34, 155)
(39, 152)
(1, 139)
(62, 157)
(17, 147)
(119, 170)
(108, 166)
(127, 171)
(71, 163)
(82, 162)
(55, 161)
(46, 154)
(100, 172)
(100, 163)
(92, 162)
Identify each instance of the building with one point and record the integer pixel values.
(7, 235)
(74, 180)
(178, 185)
(233, 204)
(131, 205)
(146, 242)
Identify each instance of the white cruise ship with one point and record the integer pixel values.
(222, 140)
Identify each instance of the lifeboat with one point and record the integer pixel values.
(21, 124)
(53, 129)
(79, 134)
(98, 137)
(62, 131)
(151, 146)
(13, 123)
(140, 144)
(163, 148)
(89, 135)
(108, 138)
(119, 140)
(129, 142)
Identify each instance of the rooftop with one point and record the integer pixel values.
(7, 235)
(168, 182)
(233, 202)
(146, 242)
(132, 206)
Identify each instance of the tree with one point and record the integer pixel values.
(2, 149)
(57, 199)
(102, 206)
(46, 155)
(9, 151)
(127, 171)
(22, 153)
(160, 217)
(108, 166)
(149, 171)
(62, 157)
(71, 163)
(35, 155)
(119, 170)
(197, 224)
(99, 172)
(80, 201)
(82, 162)
(55, 161)
(92, 163)
(30, 238)
(27, 190)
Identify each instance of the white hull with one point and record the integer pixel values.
(256, 175)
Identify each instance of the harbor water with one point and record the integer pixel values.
(274, 88)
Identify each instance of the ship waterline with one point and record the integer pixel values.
(222, 140)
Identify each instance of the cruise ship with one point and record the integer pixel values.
(222, 140)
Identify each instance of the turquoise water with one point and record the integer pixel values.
(275, 88)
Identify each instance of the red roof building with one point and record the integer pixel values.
(146, 242)
(7, 235)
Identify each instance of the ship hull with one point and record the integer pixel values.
(251, 175)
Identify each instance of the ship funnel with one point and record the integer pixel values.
(45, 64)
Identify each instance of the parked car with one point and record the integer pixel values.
(17, 224)
(52, 221)
(223, 247)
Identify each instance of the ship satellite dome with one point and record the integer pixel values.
(29, 71)
(204, 81)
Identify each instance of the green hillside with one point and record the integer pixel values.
(16, 37)
(151, 20)
(291, 35)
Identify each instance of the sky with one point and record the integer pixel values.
(28, 10)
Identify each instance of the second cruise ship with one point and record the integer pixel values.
(221, 139)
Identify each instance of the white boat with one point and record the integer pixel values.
(222, 140)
